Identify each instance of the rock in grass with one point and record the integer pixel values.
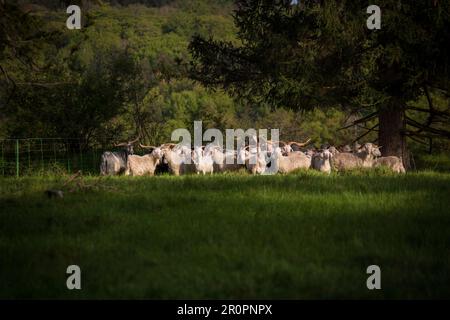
(54, 194)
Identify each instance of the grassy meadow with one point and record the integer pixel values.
(305, 235)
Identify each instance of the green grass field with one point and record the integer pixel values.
(228, 236)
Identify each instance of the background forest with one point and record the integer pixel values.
(127, 71)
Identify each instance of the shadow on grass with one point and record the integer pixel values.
(299, 236)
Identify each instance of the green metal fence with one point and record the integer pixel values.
(35, 156)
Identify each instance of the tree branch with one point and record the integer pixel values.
(366, 133)
(364, 119)
(436, 112)
(422, 127)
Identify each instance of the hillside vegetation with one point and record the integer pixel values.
(127, 70)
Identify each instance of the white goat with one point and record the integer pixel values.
(286, 164)
(392, 162)
(143, 165)
(178, 158)
(362, 159)
(255, 160)
(225, 161)
(322, 161)
(203, 161)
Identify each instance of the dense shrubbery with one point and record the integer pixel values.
(127, 70)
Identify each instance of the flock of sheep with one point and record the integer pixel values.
(262, 157)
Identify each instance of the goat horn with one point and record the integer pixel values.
(169, 145)
(135, 140)
(300, 144)
(122, 144)
(282, 142)
(146, 147)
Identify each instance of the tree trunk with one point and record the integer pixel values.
(391, 132)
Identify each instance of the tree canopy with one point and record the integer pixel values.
(321, 54)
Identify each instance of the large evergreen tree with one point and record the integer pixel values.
(321, 54)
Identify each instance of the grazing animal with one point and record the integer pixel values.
(242, 155)
(113, 163)
(392, 162)
(225, 161)
(269, 146)
(286, 164)
(368, 152)
(254, 159)
(363, 159)
(143, 165)
(310, 153)
(179, 159)
(286, 149)
(203, 161)
(322, 161)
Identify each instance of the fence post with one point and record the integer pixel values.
(17, 158)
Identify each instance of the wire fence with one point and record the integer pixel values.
(39, 156)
